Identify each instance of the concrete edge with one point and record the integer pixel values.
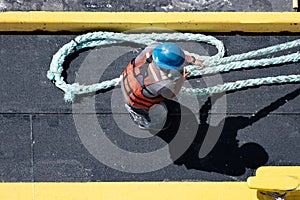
(127, 190)
(176, 21)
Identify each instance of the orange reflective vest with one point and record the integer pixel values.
(133, 89)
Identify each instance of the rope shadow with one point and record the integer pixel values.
(69, 59)
(226, 157)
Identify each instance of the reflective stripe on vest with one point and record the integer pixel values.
(133, 89)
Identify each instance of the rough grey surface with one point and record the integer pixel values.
(261, 125)
(40, 139)
(31, 92)
(16, 156)
(147, 5)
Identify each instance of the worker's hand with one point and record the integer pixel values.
(192, 60)
(185, 74)
(199, 63)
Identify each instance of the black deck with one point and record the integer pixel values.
(41, 142)
(40, 138)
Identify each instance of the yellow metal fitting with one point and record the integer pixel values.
(295, 5)
(280, 182)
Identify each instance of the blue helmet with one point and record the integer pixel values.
(168, 56)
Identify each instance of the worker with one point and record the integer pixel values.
(156, 74)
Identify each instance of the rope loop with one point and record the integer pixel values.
(214, 64)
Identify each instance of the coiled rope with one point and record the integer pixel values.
(214, 64)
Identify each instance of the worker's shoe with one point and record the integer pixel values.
(143, 121)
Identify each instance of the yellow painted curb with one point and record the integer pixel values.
(14, 191)
(127, 190)
(268, 181)
(124, 21)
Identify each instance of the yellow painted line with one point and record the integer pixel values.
(274, 179)
(128, 190)
(124, 21)
(14, 191)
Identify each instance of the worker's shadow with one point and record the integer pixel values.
(227, 156)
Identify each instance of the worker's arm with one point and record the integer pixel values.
(171, 90)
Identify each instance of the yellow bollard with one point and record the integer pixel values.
(295, 5)
(280, 182)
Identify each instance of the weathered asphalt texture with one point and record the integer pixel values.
(40, 142)
(147, 5)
